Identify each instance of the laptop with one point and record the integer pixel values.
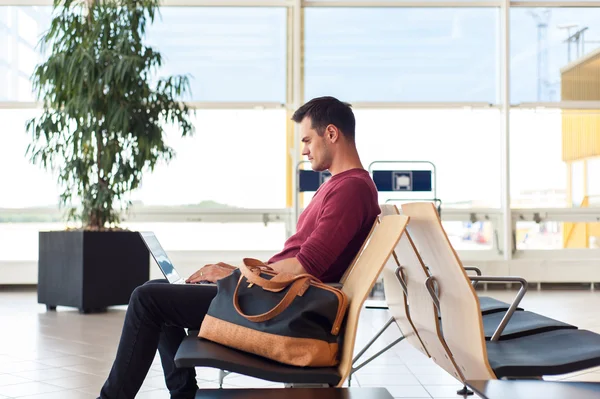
(163, 261)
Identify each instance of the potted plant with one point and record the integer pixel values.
(102, 127)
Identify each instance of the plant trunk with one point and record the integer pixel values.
(98, 222)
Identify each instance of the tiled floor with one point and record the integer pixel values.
(66, 355)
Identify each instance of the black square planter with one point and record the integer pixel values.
(90, 270)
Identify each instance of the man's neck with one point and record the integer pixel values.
(350, 161)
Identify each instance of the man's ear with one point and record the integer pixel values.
(332, 133)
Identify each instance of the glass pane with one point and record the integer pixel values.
(402, 54)
(463, 145)
(538, 175)
(540, 50)
(547, 235)
(470, 236)
(236, 158)
(577, 183)
(40, 187)
(231, 54)
(20, 30)
(593, 180)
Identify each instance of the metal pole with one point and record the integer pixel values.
(505, 133)
(297, 97)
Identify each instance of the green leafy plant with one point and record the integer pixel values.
(104, 112)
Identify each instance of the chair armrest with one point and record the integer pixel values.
(513, 305)
(473, 269)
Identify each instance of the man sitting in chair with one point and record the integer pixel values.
(330, 232)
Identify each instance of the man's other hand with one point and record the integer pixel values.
(211, 273)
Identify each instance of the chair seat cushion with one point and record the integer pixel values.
(490, 305)
(198, 352)
(549, 353)
(521, 324)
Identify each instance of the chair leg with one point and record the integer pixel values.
(371, 342)
(355, 369)
(464, 391)
(222, 375)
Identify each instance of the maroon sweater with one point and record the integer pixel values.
(333, 227)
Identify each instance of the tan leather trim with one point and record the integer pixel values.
(342, 307)
(303, 352)
(277, 283)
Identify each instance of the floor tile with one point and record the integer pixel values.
(22, 366)
(384, 380)
(437, 379)
(588, 377)
(47, 374)
(80, 381)
(101, 369)
(380, 368)
(155, 394)
(37, 355)
(66, 361)
(71, 394)
(28, 388)
(208, 385)
(8, 379)
(408, 391)
(444, 391)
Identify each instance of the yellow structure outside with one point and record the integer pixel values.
(580, 81)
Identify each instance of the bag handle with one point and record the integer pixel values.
(298, 286)
(278, 284)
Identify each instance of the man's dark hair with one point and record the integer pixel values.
(323, 111)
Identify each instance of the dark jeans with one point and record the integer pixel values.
(156, 317)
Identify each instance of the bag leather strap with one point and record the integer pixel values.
(299, 285)
(276, 284)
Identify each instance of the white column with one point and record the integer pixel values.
(505, 132)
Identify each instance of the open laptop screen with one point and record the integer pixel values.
(160, 256)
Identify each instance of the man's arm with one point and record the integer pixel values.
(290, 265)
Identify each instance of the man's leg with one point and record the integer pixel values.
(156, 312)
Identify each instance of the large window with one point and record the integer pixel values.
(230, 54)
(22, 183)
(402, 54)
(20, 31)
(543, 42)
(236, 158)
(538, 173)
(463, 145)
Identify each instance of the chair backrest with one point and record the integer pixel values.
(360, 281)
(459, 305)
(394, 293)
(349, 269)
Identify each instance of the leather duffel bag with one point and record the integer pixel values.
(292, 319)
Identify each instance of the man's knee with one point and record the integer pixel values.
(157, 281)
(144, 292)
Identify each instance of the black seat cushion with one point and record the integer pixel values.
(549, 353)
(521, 324)
(490, 305)
(198, 352)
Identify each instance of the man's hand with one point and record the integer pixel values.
(211, 273)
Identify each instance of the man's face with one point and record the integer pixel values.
(315, 147)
